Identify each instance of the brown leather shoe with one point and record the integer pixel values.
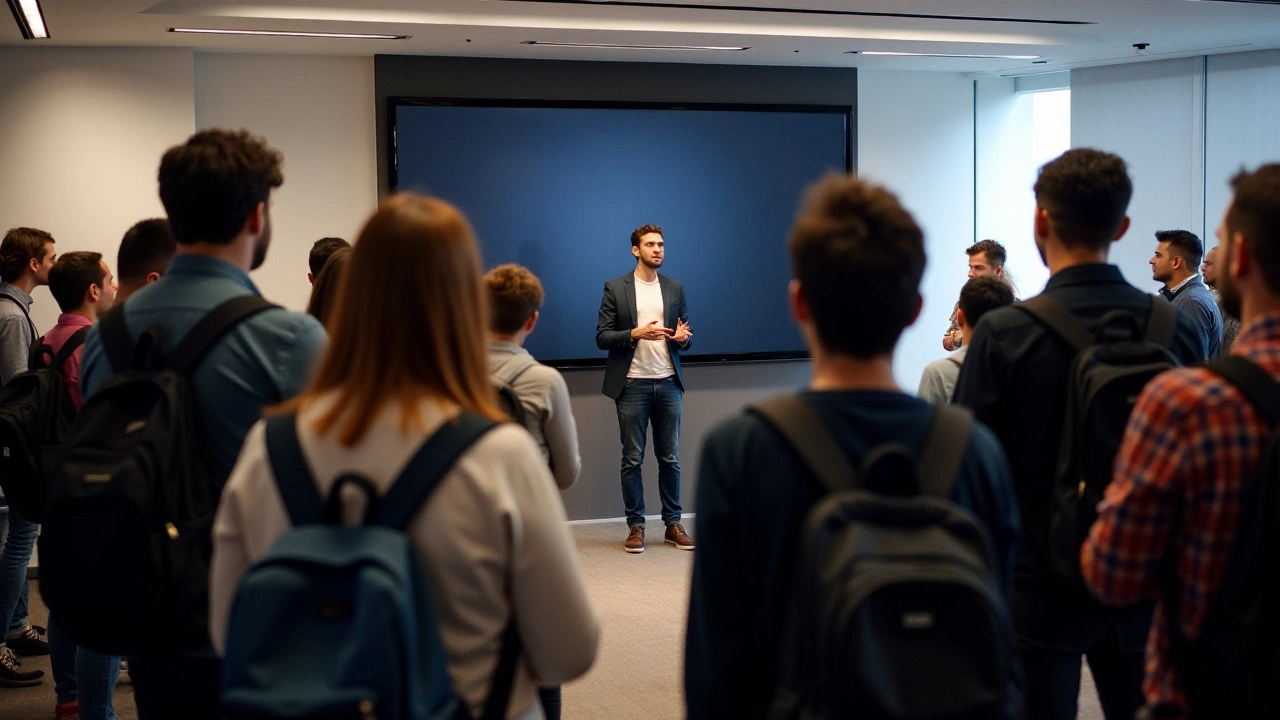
(678, 537)
(635, 540)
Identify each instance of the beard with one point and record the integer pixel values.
(651, 264)
(260, 247)
(1226, 287)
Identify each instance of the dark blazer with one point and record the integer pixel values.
(617, 320)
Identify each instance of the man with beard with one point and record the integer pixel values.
(1176, 259)
(216, 191)
(644, 324)
(1015, 379)
(1230, 325)
(1184, 475)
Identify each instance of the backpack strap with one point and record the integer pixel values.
(944, 449)
(1161, 322)
(1255, 383)
(294, 480)
(211, 328)
(509, 371)
(427, 468)
(116, 340)
(810, 438)
(1058, 319)
(69, 347)
(25, 312)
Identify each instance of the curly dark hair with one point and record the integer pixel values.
(642, 231)
(994, 251)
(859, 256)
(1086, 193)
(211, 183)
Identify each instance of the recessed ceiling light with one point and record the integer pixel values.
(614, 46)
(291, 33)
(30, 19)
(943, 55)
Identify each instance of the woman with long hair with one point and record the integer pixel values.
(324, 293)
(406, 356)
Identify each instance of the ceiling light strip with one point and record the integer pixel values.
(290, 33)
(943, 55)
(615, 46)
(30, 18)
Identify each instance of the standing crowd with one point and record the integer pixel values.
(370, 524)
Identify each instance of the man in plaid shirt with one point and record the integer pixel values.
(1191, 449)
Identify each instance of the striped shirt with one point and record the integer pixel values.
(1191, 448)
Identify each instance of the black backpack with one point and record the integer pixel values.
(35, 415)
(126, 542)
(503, 380)
(896, 611)
(1232, 670)
(1108, 372)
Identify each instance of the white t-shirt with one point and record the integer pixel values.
(652, 360)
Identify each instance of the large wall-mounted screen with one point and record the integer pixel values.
(559, 187)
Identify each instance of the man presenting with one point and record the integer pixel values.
(643, 324)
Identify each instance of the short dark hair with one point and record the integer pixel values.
(1185, 244)
(994, 251)
(211, 183)
(1086, 193)
(642, 231)
(859, 257)
(71, 276)
(1255, 213)
(17, 249)
(328, 285)
(147, 247)
(321, 250)
(515, 294)
(980, 295)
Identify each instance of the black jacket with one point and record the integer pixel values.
(617, 320)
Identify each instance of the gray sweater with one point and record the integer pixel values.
(548, 415)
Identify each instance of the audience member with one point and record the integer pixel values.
(1175, 263)
(754, 491)
(1014, 378)
(216, 189)
(26, 256)
(407, 355)
(83, 287)
(515, 294)
(324, 290)
(145, 253)
(1230, 325)
(320, 252)
(986, 259)
(1186, 472)
(980, 294)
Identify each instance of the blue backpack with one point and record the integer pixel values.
(338, 622)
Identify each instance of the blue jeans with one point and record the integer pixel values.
(19, 541)
(641, 402)
(80, 673)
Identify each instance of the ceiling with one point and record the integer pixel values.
(1065, 35)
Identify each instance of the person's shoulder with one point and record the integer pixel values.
(1004, 319)
(284, 324)
(619, 281)
(744, 429)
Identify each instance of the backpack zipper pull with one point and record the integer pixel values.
(171, 530)
(1080, 490)
(366, 710)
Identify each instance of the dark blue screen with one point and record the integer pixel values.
(559, 190)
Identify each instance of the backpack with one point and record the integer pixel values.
(1108, 372)
(130, 500)
(35, 416)
(503, 380)
(336, 622)
(1232, 670)
(896, 611)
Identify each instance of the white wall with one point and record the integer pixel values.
(1242, 117)
(915, 137)
(1152, 115)
(81, 134)
(318, 112)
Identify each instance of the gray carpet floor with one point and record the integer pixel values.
(637, 674)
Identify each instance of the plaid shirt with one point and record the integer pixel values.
(1191, 447)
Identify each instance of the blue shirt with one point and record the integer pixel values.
(263, 360)
(754, 493)
(1194, 298)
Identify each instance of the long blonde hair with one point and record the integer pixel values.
(409, 321)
